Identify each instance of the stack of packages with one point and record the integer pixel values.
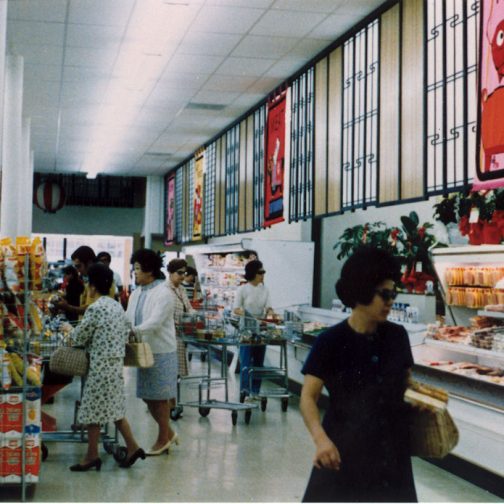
(14, 399)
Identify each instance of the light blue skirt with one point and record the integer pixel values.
(159, 382)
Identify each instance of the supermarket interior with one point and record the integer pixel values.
(263, 144)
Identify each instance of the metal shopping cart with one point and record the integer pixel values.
(213, 333)
(255, 333)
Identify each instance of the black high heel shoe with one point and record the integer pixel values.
(129, 462)
(85, 467)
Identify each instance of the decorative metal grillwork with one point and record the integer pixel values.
(301, 149)
(179, 201)
(360, 118)
(209, 194)
(232, 178)
(452, 47)
(258, 168)
(190, 200)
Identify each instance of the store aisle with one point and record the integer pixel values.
(266, 461)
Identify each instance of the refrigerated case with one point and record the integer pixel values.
(476, 400)
(288, 265)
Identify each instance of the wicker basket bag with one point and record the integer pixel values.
(433, 432)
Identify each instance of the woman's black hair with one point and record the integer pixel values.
(176, 264)
(191, 271)
(101, 277)
(84, 254)
(252, 268)
(367, 268)
(72, 271)
(150, 261)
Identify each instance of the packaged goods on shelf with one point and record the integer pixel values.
(11, 412)
(11, 457)
(482, 276)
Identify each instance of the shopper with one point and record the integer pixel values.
(252, 299)
(176, 274)
(362, 445)
(191, 284)
(150, 310)
(106, 258)
(104, 332)
(73, 288)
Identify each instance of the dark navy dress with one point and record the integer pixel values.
(367, 419)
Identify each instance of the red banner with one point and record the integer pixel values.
(490, 152)
(274, 161)
(170, 211)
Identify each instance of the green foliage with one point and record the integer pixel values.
(445, 210)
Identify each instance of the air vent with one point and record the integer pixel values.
(205, 106)
(159, 154)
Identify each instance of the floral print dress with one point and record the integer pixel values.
(103, 331)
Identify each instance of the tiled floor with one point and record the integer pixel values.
(266, 461)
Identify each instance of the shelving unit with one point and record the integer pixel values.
(477, 405)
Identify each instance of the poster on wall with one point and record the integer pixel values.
(170, 210)
(274, 161)
(198, 196)
(490, 150)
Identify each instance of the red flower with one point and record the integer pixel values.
(421, 232)
(464, 225)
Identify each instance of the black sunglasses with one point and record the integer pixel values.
(261, 272)
(387, 294)
(181, 272)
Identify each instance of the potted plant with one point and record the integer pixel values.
(445, 211)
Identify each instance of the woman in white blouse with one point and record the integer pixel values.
(150, 311)
(253, 298)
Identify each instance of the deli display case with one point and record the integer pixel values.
(465, 355)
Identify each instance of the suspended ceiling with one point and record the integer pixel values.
(133, 87)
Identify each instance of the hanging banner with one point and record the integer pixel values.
(274, 161)
(198, 196)
(170, 210)
(490, 138)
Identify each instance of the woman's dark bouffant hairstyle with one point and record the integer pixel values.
(176, 264)
(251, 269)
(150, 261)
(366, 269)
(101, 277)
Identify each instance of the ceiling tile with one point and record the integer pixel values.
(325, 6)
(264, 85)
(212, 44)
(254, 46)
(100, 12)
(285, 23)
(258, 4)
(334, 26)
(40, 54)
(82, 56)
(94, 37)
(189, 63)
(308, 48)
(245, 66)
(19, 32)
(286, 66)
(232, 83)
(215, 97)
(227, 19)
(29, 10)
(40, 73)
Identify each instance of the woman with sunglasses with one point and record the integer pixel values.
(253, 299)
(176, 275)
(362, 444)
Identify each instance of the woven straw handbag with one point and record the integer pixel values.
(69, 361)
(433, 432)
(138, 355)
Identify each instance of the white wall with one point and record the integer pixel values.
(333, 227)
(297, 231)
(89, 221)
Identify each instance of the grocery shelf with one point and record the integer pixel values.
(492, 314)
(466, 349)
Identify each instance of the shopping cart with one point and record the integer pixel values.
(212, 332)
(254, 333)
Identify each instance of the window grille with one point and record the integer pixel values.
(179, 200)
(210, 161)
(258, 169)
(452, 48)
(301, 149)
(232, 166)
(360, 118)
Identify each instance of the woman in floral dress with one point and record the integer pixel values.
(104, 331)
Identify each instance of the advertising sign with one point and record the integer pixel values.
(198, 196)
(170, 210)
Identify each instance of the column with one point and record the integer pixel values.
(3, 37)
(12, 145)
(154, 209)
(25, 182)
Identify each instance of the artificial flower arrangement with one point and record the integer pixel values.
(480, 215)
(410, 243)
